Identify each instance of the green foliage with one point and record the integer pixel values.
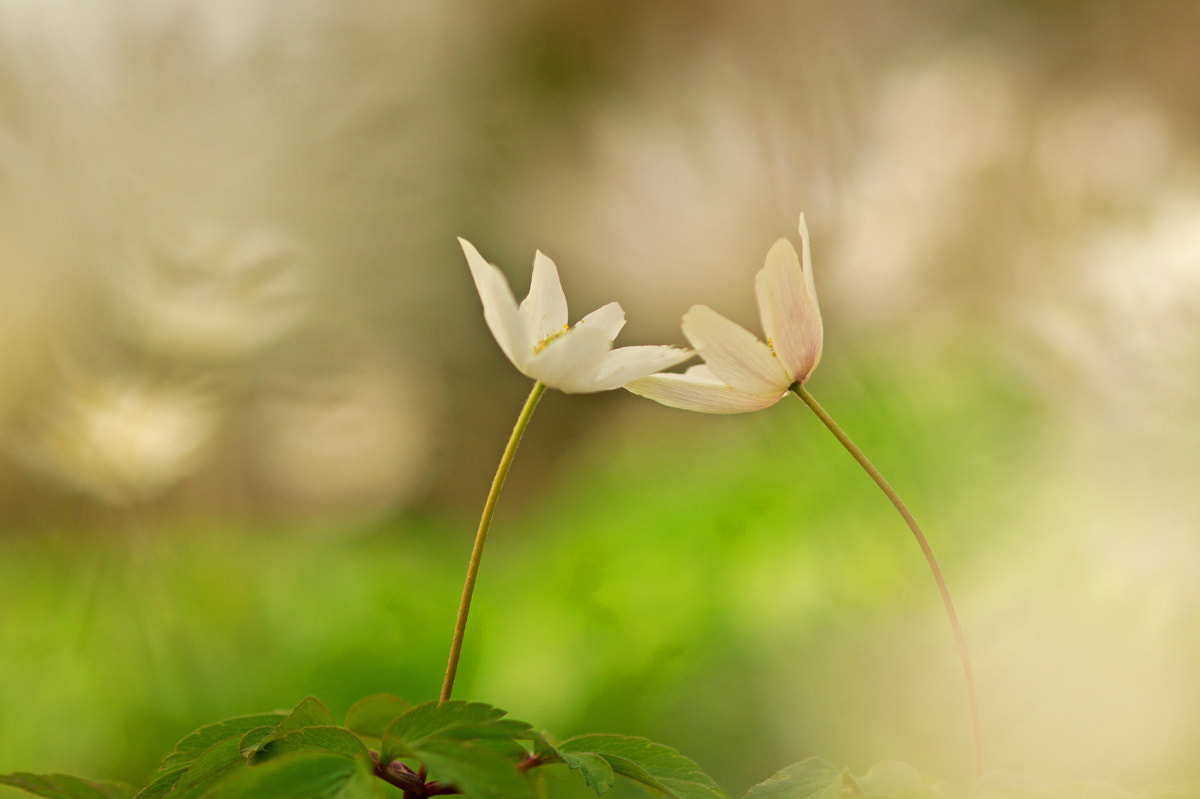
(191, 747)
(309, 775)
(471, 748)
(429, 749)
(808, 778)
(660, 767)
(63, 786)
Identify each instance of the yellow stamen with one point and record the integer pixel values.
(546, 342)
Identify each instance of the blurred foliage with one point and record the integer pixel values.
(249, 408)
(676, 580)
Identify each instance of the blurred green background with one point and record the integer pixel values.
(249, 408)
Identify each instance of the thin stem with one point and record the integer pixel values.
(951, 613)
(489, 508)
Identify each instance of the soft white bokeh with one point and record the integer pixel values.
(117, 437)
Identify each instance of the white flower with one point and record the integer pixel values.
(537, 339)
(740, 372)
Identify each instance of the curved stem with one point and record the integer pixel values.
(489, 508)
(951, 613)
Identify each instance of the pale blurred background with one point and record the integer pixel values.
(249, 408)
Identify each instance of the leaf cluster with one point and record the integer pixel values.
(385, 743)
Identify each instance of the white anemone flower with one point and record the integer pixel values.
(537, 339)
(741, 373)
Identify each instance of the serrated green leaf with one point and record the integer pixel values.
(309, 713)
(64, 786)
(804, 780)
(214, 765)
(253, 740)
(372, 715)
(596, 771)
(336, 740)
(500, 728)
(437, 718)
(543, 748)
(190, 747)
(304, 775)
(511, 750)
(475, 770)
(452, 721)
(649, 763)
(161, 785)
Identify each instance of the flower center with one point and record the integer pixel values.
(546, 341)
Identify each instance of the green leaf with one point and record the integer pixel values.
(309, 713)
(454, 721)
(162, 784)
(64, 786)
(190, 747)
(475, 770)
(252, 741)
(509, 748)
(500, 728)
(215, 765)
(372, 715)
(804, 780)
(336, 740)
(596, 771)
(304, 775)
(438, 718)
(465, 744)
(649, 763)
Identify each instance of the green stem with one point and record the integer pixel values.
(951, 613)
(489, 507)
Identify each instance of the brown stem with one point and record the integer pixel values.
(963, 653)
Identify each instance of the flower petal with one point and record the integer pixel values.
(500, 309)
(631, 363)
(545, 309)
(700, 390)
(610, 317)
(733, 353)
(787, 303)
(569, 363)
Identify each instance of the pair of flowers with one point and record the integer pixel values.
(740, 372)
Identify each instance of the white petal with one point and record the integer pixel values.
(787, 303)
(545, 309)
(569, 363)
(700, 391)
(733, 353)
(631, 363)
(610, 318)
(500, 309)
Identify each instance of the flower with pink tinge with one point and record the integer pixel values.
(740, 372)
